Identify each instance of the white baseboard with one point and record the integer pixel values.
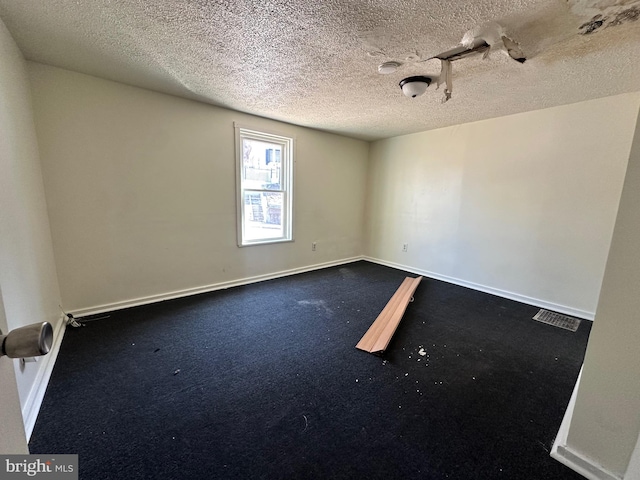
(31, 407)
(574, 312)
(83, 312)
(563, 432)
(575, 461)
(583, 465)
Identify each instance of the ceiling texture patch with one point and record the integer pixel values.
(316, 64)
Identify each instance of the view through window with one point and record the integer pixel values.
(264, 175)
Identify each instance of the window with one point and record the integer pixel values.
(264, 164)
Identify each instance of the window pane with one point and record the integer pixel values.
(261, 164)
(264, 184)
(263, 218)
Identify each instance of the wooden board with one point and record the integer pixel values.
(382, 329)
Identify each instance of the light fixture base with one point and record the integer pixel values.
(388, 67)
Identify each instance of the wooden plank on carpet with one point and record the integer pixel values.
(377, 338)
(369, 339)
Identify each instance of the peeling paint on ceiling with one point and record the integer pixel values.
(315, 63)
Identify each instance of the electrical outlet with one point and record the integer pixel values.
(313, 246)
(405, 247)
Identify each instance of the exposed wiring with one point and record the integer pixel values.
(71, 321)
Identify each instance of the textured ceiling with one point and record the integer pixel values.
(314, 63)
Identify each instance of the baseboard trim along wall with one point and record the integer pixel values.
(574, 312)
(568, 457)
(31, 407)
(582, 465)
(109, 307)
(83, 312)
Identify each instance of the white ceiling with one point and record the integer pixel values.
(314, 63)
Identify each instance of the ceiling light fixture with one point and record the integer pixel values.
(414, 86)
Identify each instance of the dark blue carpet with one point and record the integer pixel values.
(264, 381)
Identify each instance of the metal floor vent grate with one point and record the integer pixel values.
(557, 320)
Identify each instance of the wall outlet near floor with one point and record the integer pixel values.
(313, 246)
(405, 247)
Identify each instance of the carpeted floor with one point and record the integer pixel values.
(264, 381)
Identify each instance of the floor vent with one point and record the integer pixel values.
(557, 320)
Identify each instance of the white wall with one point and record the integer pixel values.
(633, 470)
(12, 440)
(606, 419)
(141, 191)
(28, 278)
(521, 206)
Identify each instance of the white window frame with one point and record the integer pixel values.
(286, 183)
